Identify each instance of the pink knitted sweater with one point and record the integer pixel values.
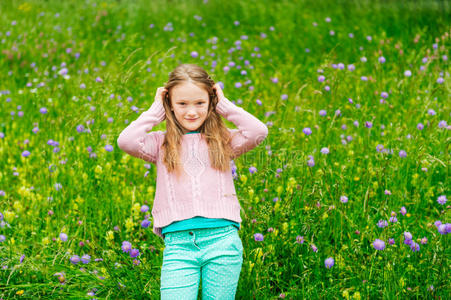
(201, 190)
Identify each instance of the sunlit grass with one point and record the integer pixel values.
(356, 99)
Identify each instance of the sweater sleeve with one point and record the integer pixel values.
(251, 131)
(135, 140)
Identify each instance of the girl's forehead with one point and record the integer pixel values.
(188, 91)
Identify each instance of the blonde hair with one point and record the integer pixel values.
(213, 129)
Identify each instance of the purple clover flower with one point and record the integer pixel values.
(414, 246)
(382, 223)
(403, 210)
(442, 229)
(63, 237)
(307, 131)
(329, 262)
(75, 259)
(258, 237)
(144, 208)
(441, 199)
(126, 246)
(134, 253)
(325, 150)
(86, 258)
(145, 223)
(379, 244)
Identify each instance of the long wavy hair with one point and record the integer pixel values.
(213, 130)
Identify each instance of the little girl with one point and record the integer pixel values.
(195, 210)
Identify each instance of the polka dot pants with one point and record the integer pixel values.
(214, 255)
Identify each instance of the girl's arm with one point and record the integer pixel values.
(135, 140)
(251, 131)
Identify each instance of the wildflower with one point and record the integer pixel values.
(407, 238)
(63, 236)
(307, 131)
(414, 246)
(420, 126)
(344, 199)
(441, 199)
(311, 161)
(145, 223)
(382, 223)
(322, 112)
(407, 73)
(126, 246)
(403, 210)
(381, 59)
(402, 153)
(325, 150)
(252, 169)
(442, 229)
(314, 248)
(258, 237)
(321, 78)
(442, 124)
(86, 258)
(144, 208)
(75, 259)
(134, 253)
(300, 239)
(440, 80)
(379, 244)
(391, 241)
(393, 219)
(329, 262)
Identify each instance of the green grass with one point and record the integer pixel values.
(99, 193)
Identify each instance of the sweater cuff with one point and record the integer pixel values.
(157, 109)
(224, 106)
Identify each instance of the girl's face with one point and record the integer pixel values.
(190, 105)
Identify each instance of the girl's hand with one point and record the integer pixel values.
(218, 91)
(161, 93)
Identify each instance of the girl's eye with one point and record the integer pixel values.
(200, 103)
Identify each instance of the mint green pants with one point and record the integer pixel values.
(213, 254)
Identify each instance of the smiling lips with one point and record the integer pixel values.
(191, 120)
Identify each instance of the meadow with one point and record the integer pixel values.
(345, 199)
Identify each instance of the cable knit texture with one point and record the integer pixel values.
(201, 190)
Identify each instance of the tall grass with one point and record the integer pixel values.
(117, 53)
